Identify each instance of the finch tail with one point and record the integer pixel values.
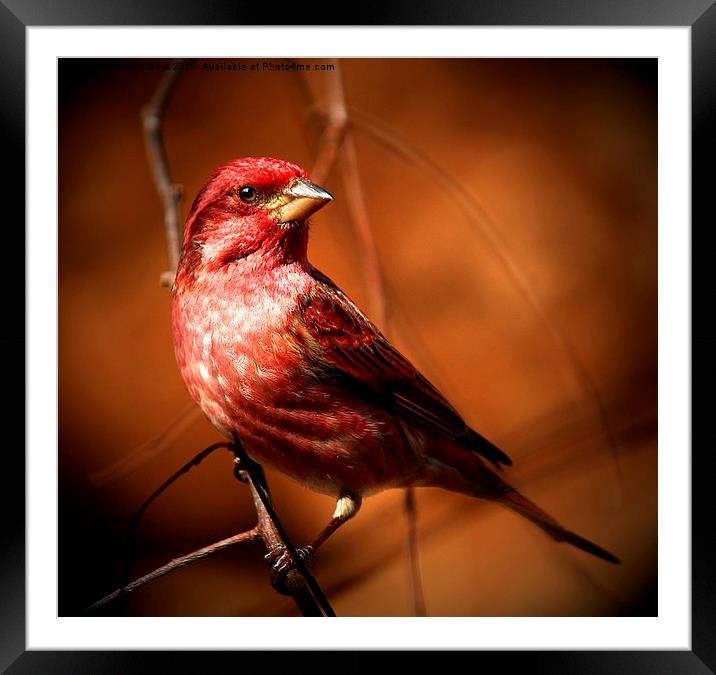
(453, 468)
(531, 511)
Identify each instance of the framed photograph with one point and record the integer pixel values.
(496, 306)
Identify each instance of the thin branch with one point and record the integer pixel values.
(170, 193)
(411, 541)
(175, 564)
(298, 582)
(195, 461)
(147, 450)
(334, 119)
(358, 213)
(330, 143)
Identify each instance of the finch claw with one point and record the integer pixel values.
(279, 558)
(305, 553)
(239, 472)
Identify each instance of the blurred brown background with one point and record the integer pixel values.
(561, 154)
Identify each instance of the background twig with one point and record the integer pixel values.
(481, 221)
(170, 193)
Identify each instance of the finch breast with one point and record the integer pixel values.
(243, 364)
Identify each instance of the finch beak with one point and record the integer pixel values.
(300, 199)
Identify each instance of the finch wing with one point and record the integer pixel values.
(350, 347)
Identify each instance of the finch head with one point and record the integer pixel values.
(254, 205)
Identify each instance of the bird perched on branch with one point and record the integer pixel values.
(276, 354)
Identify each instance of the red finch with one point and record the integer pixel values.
(274, 352)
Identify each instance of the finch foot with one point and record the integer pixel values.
(280, 559)
(281, 565)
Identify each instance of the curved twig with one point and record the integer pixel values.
(170, 193)
(337, 137)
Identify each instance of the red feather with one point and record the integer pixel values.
(351, 348)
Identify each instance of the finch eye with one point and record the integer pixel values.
(248, 194)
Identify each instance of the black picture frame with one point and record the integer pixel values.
(16, 15)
